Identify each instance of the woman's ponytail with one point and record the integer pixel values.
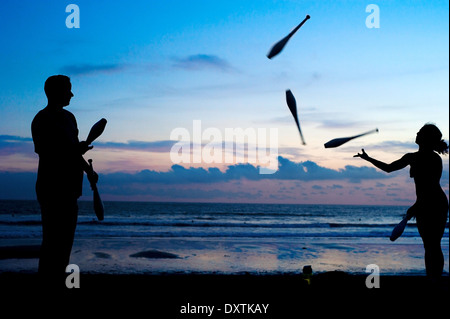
(441, 147)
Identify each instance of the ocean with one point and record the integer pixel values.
(224, 237)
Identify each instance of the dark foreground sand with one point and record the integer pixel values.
(288, 296)
(167, 295)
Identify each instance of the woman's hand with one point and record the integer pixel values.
(411, 212)
(363, 155)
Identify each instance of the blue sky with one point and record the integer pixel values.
(150, 67)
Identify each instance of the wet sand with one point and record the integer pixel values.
(225, 256)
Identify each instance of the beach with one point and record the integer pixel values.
(171, 284)
(170, 270)
(223, 239)
(334, 293)
(162, 257)
(223, 256)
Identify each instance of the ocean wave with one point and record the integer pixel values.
(97, 230)
(193, 223)
(181, 234)
(206, 220)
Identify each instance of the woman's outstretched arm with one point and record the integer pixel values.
(394, 166)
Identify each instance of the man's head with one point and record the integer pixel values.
(58, 90)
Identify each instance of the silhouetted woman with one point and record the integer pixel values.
(431, 206)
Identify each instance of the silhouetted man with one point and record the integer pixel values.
(59, 178)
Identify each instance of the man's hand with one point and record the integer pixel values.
(92, 177)
(84, 147)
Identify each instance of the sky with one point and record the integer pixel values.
(173, 77)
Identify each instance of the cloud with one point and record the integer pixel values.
(339, 124)
(198, 183)
(202, 62)
(395, 145)
(13, 139)
(310, 171)
(89, 69)
(288, 170)
(177, 193)
(10, 144)
(154, 146)
(390, 146)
